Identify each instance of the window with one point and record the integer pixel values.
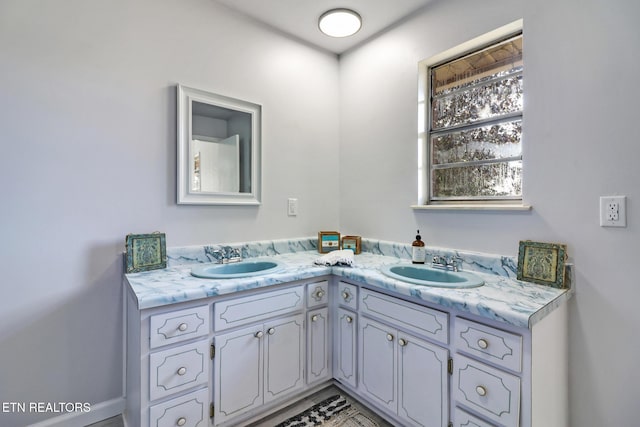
(471, 122)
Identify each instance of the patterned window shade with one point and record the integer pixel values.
(475, 125)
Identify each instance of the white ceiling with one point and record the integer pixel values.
(299, 18)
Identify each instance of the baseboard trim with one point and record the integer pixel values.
(99, 411)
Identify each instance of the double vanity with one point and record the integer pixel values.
(246, 339)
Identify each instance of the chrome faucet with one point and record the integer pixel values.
(227, 255)
(446, 263)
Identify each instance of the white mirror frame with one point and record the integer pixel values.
(185, 98)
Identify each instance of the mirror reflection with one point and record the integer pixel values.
(218, 149)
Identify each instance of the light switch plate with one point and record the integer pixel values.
(292, 207)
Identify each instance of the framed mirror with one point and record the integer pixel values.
(219, 152)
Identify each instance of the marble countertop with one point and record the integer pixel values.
(502, 298)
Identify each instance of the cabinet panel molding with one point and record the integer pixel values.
(190, 410)
(180, 325)
(318, 345)
(489, 344)
(412, 317)
(490, 392)
(178, 369)
(254, 308)
(346, 347)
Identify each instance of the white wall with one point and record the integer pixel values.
(581, 105)
(87, 140)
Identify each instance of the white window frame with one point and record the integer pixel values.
(424, 91)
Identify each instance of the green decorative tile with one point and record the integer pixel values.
(542, 263)
(145, 252)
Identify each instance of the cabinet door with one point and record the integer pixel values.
(378, 364)
(238, 372)
(318, 346)
(422, 382)
(284, 356)
(345, 347)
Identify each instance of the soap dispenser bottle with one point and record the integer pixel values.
(418, 253)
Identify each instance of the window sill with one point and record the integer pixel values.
(472, 207)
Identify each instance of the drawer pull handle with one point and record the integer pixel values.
(402, 342)
(258, 334)
(482, 343)
(319, 293)
(345, 295)
(481, 390)
(314, 317)
(182, 327)
(389, 337)
(349, 319)
(271, 331)
(181, 421)
(182, 371)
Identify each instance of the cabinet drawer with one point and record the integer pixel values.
(254, 308)
(464, 419)
(348, 295)
(488, 391)
(178, 369)
(489, 344)
(179, 325)
(317, 294)
(190, 410)
(412, 317)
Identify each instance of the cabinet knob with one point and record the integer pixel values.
(481, 390)
(182, 371)
(258, 334)
(482, 343)
(181, 421)
(314, 317)
(319, 293)
(271, 331)
(182, 327)
(389, 337)
(349, 319)
(345, 295)
(402, 342)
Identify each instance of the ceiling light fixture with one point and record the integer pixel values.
(340, 22)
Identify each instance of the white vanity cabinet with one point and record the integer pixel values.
(257, 364)
(262, 361)
(491, 391)
(229, 360)
(508, 376)
(168, 366)
(400, 372)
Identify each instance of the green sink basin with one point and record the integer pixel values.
(427, 276)
(236, 270)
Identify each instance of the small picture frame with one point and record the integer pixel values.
(352, 242)
(328, 241)
(542, 263)
(145, 252)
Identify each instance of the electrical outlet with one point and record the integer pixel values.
(613, 211)
(292, 207)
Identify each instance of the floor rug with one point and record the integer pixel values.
(336, 411)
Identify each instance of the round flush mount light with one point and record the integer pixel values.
(340, 22)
